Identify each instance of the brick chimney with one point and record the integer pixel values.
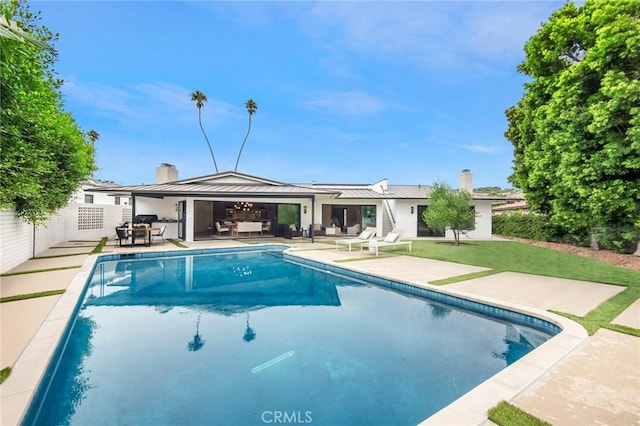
(166, 172)
(466, 181)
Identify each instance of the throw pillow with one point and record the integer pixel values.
(391, 237)
(364, 235)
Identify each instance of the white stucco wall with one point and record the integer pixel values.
(164, 208)
(483, 220)
(74, 222)
(17, 239)
(98, 197)
(407, 222)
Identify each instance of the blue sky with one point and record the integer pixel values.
(347, 91)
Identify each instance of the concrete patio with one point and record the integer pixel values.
(571, 380)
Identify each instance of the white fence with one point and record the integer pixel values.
(19, 241)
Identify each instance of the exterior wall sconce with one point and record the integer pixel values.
(411, 209)
(304, 209)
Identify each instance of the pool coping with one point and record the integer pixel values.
(507, 384)
(30, 367)
(471, 408)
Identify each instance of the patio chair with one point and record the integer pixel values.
(353, 230)
(141, 233)
(159, 233)
(266, 227)
(364, 237)
(391, 240)
(317, 229)
(221, 229)
(122, 234)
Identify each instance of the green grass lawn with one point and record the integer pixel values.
(505, 414)
(518, 257)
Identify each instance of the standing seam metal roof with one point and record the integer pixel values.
(172, 188)
(392, 192)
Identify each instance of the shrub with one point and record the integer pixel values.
(530, 226)
(620, 240)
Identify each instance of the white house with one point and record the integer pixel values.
(190, 208)
(89, 193)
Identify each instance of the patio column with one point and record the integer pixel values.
(313, 217)
(133, 208)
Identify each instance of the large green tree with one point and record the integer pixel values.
(576, 130)
(44, 155)
(449, 209)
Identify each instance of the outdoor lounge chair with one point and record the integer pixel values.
(365, 236)
(391, 240)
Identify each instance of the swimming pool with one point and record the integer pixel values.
(248, 337)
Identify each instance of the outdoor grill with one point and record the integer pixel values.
(145, 218)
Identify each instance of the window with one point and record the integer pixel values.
(349, 215)
(289, 214)
(88, 198)
(117, 201)
(423, 229)
(368, 216)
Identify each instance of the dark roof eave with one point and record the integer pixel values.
(222, 194)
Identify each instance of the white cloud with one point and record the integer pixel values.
(151, 103)
(352, 103)
(440, 35)
(482, 149)
(498, 31)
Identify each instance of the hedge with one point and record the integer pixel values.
(530, 226)
(539, 227)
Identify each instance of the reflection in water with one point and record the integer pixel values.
(242, 271)
(249, 334)
(197, 343)
(438, 311)
(74, 380)
(519, 342)
(227, 284)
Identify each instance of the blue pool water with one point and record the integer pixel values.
(251, 337)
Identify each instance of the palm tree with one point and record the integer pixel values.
(200, 99)
(251, 108)
(93, 137)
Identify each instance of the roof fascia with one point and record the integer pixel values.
(214, 176)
